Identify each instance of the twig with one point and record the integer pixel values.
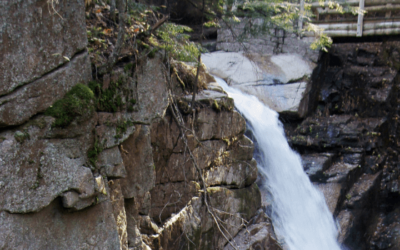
(120, 40)
(179, 120)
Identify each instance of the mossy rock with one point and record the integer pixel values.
(21, 136)
(118, 96)
(77, 102)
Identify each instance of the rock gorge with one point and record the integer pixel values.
(118, 174)
(101, 163)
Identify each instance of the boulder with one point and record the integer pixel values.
(255, 69)
(35, 170)
(55, 228)
(264, 76)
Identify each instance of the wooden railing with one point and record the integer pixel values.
(382, 17)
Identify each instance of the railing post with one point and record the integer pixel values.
(360, 19)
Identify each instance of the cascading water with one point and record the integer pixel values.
(299, 211)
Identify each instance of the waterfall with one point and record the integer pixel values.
(299, 211)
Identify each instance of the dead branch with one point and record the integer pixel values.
(180, 122)
(112, 9)
(120, 40)
(159, 23)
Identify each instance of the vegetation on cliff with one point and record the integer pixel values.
(77, 102)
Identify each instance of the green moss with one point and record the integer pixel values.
(94, 152)
(77, 102)
(95, 86)
(128, 67)
(39, 123)
(109, 100)
(216, 106)
(121, 128)
(21, 136)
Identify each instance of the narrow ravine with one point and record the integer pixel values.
(299, 211)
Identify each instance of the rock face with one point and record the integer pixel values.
(28, 48)
(349, 141)
(279, 81)
(114, 173)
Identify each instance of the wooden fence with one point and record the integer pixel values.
(381, 17)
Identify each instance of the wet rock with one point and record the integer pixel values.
(341, 171)
(258, 73)
(283, 98)
(226, 65)
(332, 193)
(30, 99)
(360, 194)
(25, 44)
(337, 130)
(55, 228)
(385, 231)
(346, 222)
(315, 164)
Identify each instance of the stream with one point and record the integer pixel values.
(298, 210)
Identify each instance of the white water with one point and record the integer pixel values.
(299, 212)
